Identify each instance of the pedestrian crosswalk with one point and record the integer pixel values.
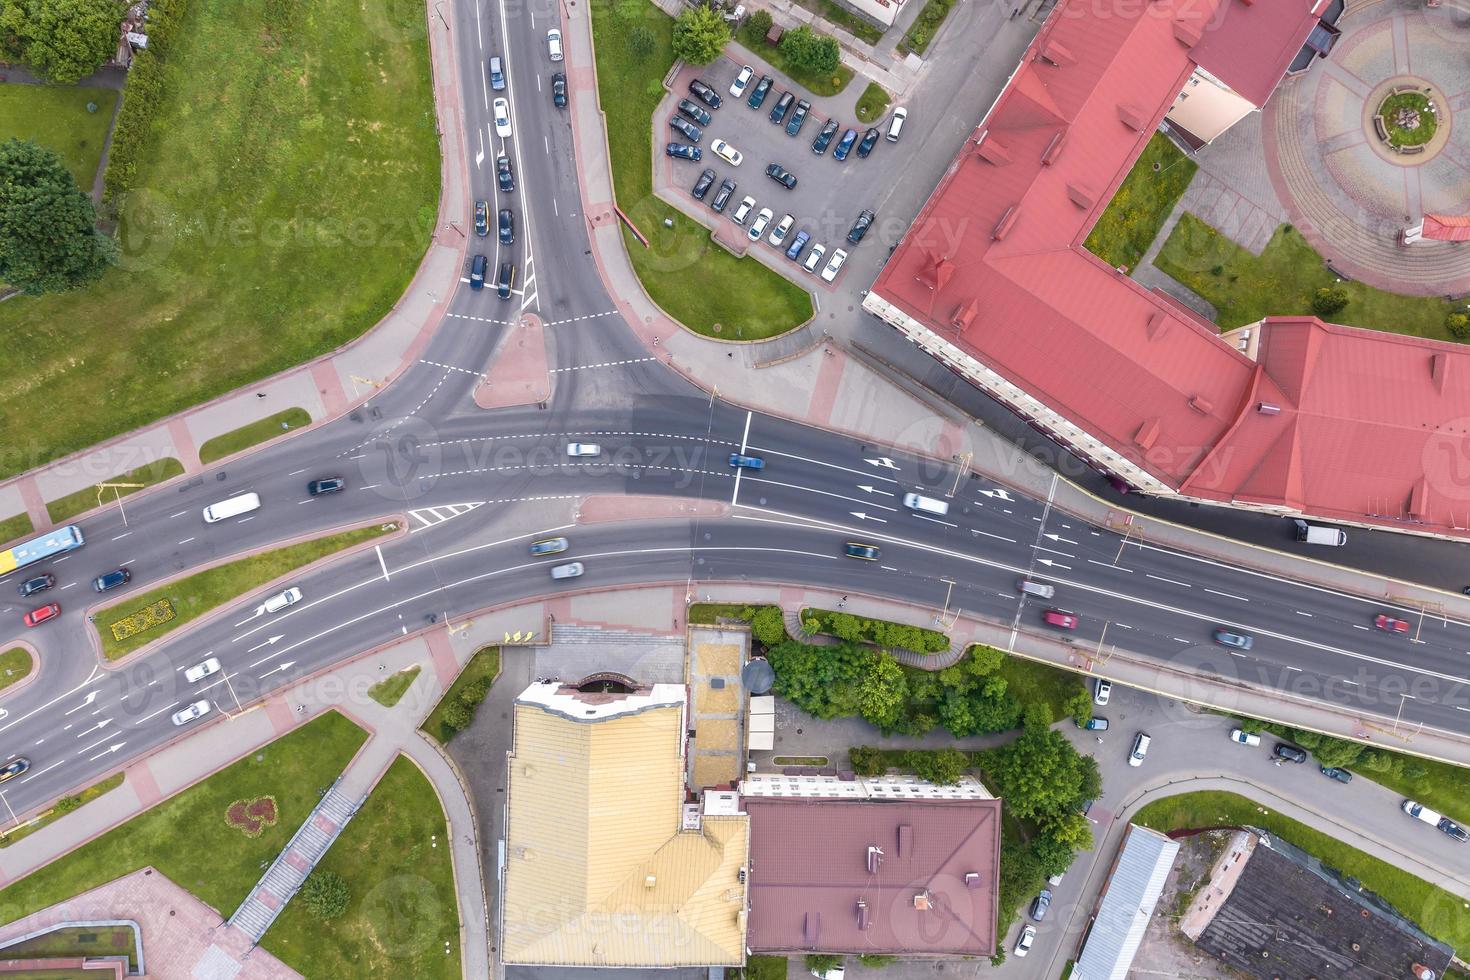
(427, 517)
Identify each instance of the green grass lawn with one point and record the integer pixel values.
(1244, 288)
(56, 117)
(280, 209)
(691, 278)
(403, 908)
(253, 434)
(197, 594)
(61, 808)
(86, 499)
(709, 613)
(823, 85)
(484, 665)
(873, 103)
(1132, 219)
(1443, 787)
(186, 837)
(78, 941)
(15, 665)
(1419, 103)
(15, 527)
(1029, 681)
(848, 21)
(766, 968)
(1437, 911)
(926, 25)
(390, 691)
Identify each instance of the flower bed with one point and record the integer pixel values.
(1410, 118)
(252, 816)
(154, 614)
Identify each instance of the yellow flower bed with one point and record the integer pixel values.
(146, 618)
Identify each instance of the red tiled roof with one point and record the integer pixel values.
(1249, 43)
(808, 872)
(1447, 228)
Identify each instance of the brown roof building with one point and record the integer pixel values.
(901, 877)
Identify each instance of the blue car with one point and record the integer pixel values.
(759, 93)
(683, 151)
(797, 244)
(747, 462)
(478, 265)
(549, 546)
(845, 147)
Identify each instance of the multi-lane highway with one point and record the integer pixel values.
(474, 487)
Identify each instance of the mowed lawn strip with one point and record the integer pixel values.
(1132, 219)
(197, 594)
(389, 692)
(484, 665)
(691, 278)
(1029, 681)
(14, 528)
(62, 807)
(279, 210)
(56, 117)
(253, 434)
(15, 665)
(85, 499)
(1438, 912)
(402, 913)
(186, 837)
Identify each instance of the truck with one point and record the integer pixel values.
(1317, 534)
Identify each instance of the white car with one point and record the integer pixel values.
(1023, 945)
(726, 152)
(743, 212)
(1102, 692)
(836, 973)
(1244, 737)
(278, 602)
(758, 229)
(834, 265)
(577, 450)
(1141, 742)
(553, 43)
(737, 87)
(502, 119)
(201, 670)
(895, 125)
(571, 569)
(778, 233)
(814, 259)
(196, 710)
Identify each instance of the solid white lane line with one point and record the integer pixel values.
(996, 536)
(186, 541)
(179, 514)
(1228, 595)
(1160, 578)
(826, 493)
(1054, 551)
(865, 474)
(1300, 613)
(1116, 568)
(381, 563)
(156, 713)
(122, 535)
(744, 441)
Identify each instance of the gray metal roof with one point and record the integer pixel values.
(1127, 903)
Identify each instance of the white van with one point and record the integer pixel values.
(234, 507)
(281, 600)
(1316, 534)
(1039, 589)
(1141, 743)
(928, 505)
(1421, 812)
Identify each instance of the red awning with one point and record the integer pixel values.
(1447, 228)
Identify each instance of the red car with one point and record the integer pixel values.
(1390, 625)
(1060, 619)
(38, 616)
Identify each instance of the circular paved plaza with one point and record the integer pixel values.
(1347, 190)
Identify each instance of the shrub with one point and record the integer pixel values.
(1458, 324)
(68, 803)
(700, 34)
(760, 22)
(876, 961)
(822, 962)
(943, 767)
(458, 715)
(766, 625)
(1328, 300)
(866, 760)
(141, 98)
(325, 894)
(1079, 707)
(810, 52)
(472, 694)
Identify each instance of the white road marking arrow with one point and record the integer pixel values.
(275, 670)
(1058, 537)
(267, 643)
(876, 490)
(91, 696)
(884, 462)
(101, 724)
(107, 751)
(480, 157)
(864, 517)
(1052, 564)
(999, 492)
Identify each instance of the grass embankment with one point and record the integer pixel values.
(279, 210)
(482, 668)
(86, 499)
(925, 26)
(253, 434)
(56, 117)
(1029, 681)
(694, 280)
(766, 968)
(1439, 912)
(390, 691)
(1132, 219)
(15, 666)
(403, 913)
(197, 594)
(823, 85)
(61, 808)
(15, 527)
(186, 837)
(873, 103)
(1244, 288)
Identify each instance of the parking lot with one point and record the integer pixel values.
(828, 194)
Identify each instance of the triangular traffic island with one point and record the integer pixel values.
(518, 373)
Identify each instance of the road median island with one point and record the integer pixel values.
(263, 430)
(114, 487)
(16, 665)
(129, 624)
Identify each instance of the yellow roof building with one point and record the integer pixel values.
(603, 867)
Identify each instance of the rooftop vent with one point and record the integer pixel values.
(1006, 222)
(875, 858)
(1201, 404)
(1266, 408)
(1081, 196)
(1422, 972)
(1188, 32)
(811, 928)
(1054, 148)
(905, 840)
(993, 150)
(740, 876)
(972, 879)
(1158, 324)
(1054, 54)
(1439, 370)
(1132, 117)
(862, 915)
(922, 902)
(650, 880)
(1147, 434)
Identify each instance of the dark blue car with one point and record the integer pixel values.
(747, 462)
(845, 147)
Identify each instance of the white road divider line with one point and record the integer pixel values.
(381, 563)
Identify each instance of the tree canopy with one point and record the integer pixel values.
(48, 236)
(809, 51)
(700, 34)
(61, 40)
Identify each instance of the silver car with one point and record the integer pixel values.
(201, 670)
(577, 450)
(196, 710)
(571, 569)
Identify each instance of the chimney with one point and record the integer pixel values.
(862, 914)
(650, 880)
(922, 902)
(875, 858)
(1266, 408)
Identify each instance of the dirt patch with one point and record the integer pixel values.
(1166, 951)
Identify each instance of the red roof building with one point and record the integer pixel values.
(1289, 415)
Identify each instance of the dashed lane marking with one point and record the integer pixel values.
(451, 367)
(481, 319)
(604, 364)
(585, 316)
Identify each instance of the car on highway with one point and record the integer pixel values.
(683, 151)
(1141, 742)
(844, 146)
(778, 233)
(14, 768)
(1336, 772)
(687, 129)
(867, 552)
(330, 484)
(813, 260)
(1388, 624)
(696, 113)
(726, 152)
(703, 184)
(783, 104)
(1239, 641)
(507, 227)
(38, 616)
(825, 137)
(781, 175)
(553, 44)
(111, 580)
(282, 600)
(1244, 737)
(834, 265)
(1102, 690)
(870, 140)
(582, 450)
(737, 87)
(549, 546)
(743, 462)
(1040, 904)
(1289, 753)
(860, 226)
(798, 117)
(722, 196)
(504, 174)
(196, 710)
(1453, 830)
(478, 265)
(201, 670)
(1027, 940)
(747, 204)
(559, 90)
(571, 569)
(793, 251)
(505, 280)
(502, 119)
(1041, 590)
(758, 226)
(1060, 618)
(895, 123)
(759, 93)
(705, 94)
(39, 583)
(482, 218)
(1096, 723)
(497, 74)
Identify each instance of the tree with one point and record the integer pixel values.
(1328, 300)
(766, 625)
(883, 692)
(640, 42)
(806, 50)
(700, 34)
(760, 23)
(1458, 324)
(1079, 707)
(60, 40)
(458, 715)
(1060, 840)
(325, 894)
(942, 767)
(48, 236)
(1041, 775)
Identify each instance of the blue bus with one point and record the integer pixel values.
(52, 543)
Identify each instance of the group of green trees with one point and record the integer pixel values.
(701, 33)
(60, 40)
(846, 626)
(48, 228)
(1343, 753)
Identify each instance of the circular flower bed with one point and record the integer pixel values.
(1410, 118)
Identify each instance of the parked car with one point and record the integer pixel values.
(1096, 723)
(895, 123)
(1040, 904)
(726, 152)
(703, 184)
(1102, 690)
(505, 280)
(39, 583)
(583, 450)
(781, 175)
(860, 226)
(834, 265)
(111, 580)
(825, 137)
(870, 140)
(695, 112)
(759, 93)
(844, 147)
(778, 233)
(549, 546)
(683, 151)
(793, 251)
(684, 127)
(737, 87)
(507, 227)
(559, 90)
(504, 174)
(570, 570)
(281, 600)
(13, 769)
(705, 94)
(1336, 772)
(1421, 812)
(747, 204)
(1141, 742)
(778, 111)
(740, 461)
(1060, 618)
(478, 265)
(1453, 830)
(196, 710)
(38, 616)
(758, 226)
(1027, 940)
(1244, 737)
(798, 117)
(497, 75)
(834, 973)
(867, 552)
(813, 259)
(1290, 753)
(722, 196)
(201, 670)
(1239, 641)
(1390, 625)
(502, 119)
(553, 44)
(482, 218)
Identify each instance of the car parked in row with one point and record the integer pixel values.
(722, 196)
(683, 151)
(1027, 940)
(1097, 723)
(798, 117)
(1141, 742)
(758, 94)
(1040, 904)
(1101, 691)
(778, 233)
(782, 106)
(726, 152)
(559, 90)
(737, 87)
(747, 204)
(482, 218)
(844, 146)
(705, 94)
(895, 123)
(813, 260)
(825, 137)
(1289, 753)
(553, 44)
(870, 140)
(793, 251)
(695, 113)
(834, 265)
(504, 174)
(758, 226)
(685, 128)
(1244, 737)
(703, 184)
(1336, 772)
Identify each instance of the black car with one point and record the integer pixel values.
(870, 140)
(860, 226)
(798, 118)
(844, 146)
(683, 151)
(504, 175)
(824, 138)
(478, 265)
(778, 111)
(559, 90)
(694, 112)
(1289, 752)
(1337, 773)
(759, 93)
(689, 130)
(705, 94)
(482, 218)
(855, 549)
(111, 580)
(507, 227)
(38, 584)
(505, 280)
(781, 175)
(330, 485)
(722, 196)
(703, 184)
(1452, 829)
